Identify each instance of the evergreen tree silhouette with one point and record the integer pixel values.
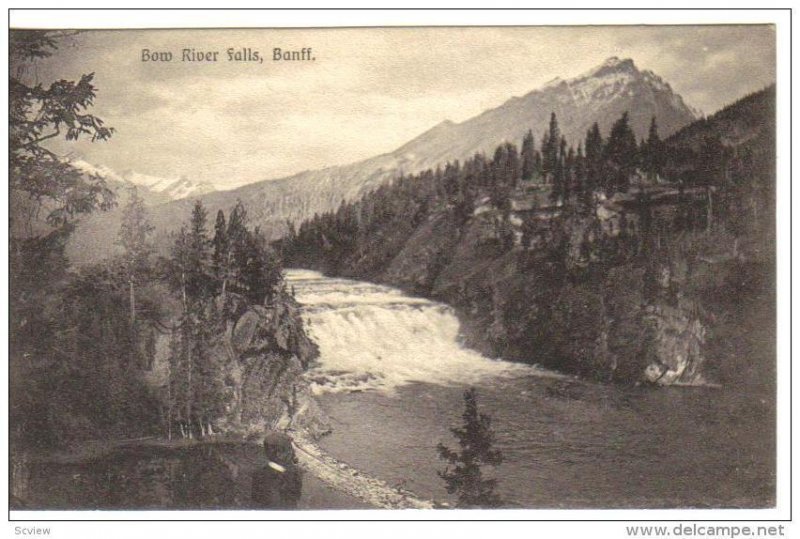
(465, 478)
(653, 151)
(550, 146)
(134, 237)
(621, 154)
(594, 158)
(528, 156)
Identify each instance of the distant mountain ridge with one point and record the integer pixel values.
(96, 235)
(599, 95)
(150, 186)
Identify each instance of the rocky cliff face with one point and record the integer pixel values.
(631, 322)
(268, 354)
(263, 354)
(604, 326)
(677, 354)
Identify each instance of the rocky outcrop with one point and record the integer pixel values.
(276, 328)
(677, 345)
(271, 351)
(424, 255)
(261, 355)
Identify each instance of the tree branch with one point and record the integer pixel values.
(38, 140)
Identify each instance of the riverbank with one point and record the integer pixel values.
(328, 483)
(356, 483)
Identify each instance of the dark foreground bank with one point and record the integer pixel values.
(160, 476)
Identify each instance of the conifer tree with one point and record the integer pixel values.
(175, 388)
(199, 271)
(219, 258)
(528, 156)
(195, 386)
(568, 158)
(134, 237)
(499, 169)
(537, 164)
(620, 154)
(465, 478)
(260, 270)
(550, 146)
(711, 172)
(585, 189)
(594, 159)
(236, 238)
(653, 158)
(559, 192)
(205, 373)
(513, 166)
(178, 274)
(450, 180)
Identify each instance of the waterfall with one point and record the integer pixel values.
(375, 337)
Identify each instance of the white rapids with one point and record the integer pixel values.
(375, 337)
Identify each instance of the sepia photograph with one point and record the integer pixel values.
(393, 267)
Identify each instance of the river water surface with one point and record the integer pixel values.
(392, 373)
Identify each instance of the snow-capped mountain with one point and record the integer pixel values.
(96, 237)
(611, 79)
(600, 95)
(174, 188)
(153, 189)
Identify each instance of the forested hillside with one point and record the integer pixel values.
(615, 259)
(201, 340)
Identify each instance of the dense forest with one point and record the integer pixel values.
(611, 260)
(94, 338)
(139, 344)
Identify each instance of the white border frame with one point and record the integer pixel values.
(299, 19)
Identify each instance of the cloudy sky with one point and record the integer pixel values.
(368, 91)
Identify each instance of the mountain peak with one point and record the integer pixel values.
(613, 65)
(173, 188)
(615, 61)
(601, 95)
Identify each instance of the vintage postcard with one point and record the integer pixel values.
(393, 267)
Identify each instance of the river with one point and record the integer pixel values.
(391, 376)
